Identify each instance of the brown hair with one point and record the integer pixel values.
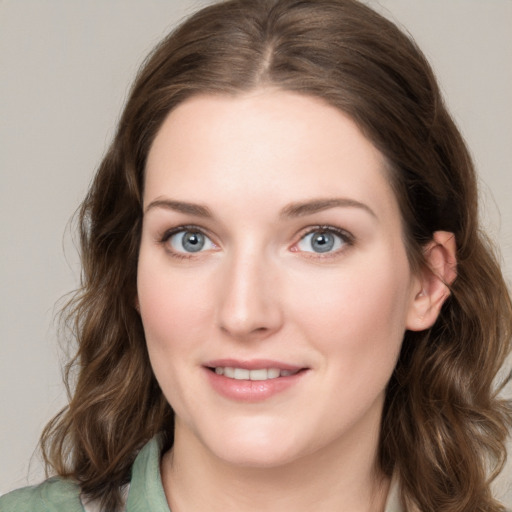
(444, 426)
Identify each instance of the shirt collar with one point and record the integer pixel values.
(393, 501)
(146, 483)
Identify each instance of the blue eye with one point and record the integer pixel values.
(189, 241)
(322, 241)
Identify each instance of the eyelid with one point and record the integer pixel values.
(346, 237)
(169, 233)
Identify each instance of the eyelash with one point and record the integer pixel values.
(164, 239)
(347, 239)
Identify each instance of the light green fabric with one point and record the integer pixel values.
(53, 495)
(62, 495)
(146, 491)
(145, 494)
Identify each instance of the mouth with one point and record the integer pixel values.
(252, 381)
(259, 374)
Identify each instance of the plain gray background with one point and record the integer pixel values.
(66, 66)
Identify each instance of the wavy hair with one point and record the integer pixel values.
(444, 425)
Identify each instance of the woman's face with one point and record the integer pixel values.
(273, 281)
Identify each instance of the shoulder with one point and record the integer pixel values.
(57, 494)
(53, 495)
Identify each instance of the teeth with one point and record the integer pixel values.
(260, 374)
(273, 373)
(241, 374)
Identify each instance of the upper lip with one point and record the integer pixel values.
(252, 364)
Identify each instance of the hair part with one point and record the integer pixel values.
(444, 425)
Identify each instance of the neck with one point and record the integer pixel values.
(341, 478)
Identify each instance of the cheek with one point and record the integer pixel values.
(174, 316)
(173, 307)
(359, 314)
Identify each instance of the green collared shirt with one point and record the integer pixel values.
(145, 493)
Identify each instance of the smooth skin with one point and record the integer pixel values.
(271, 232)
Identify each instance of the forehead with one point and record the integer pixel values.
(267, 143)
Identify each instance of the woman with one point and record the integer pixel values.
(286, 300)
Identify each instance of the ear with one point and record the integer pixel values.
(433, 281)
(137, 304)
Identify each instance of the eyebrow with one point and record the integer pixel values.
(304, 208)
(299, 209)
(180, 206)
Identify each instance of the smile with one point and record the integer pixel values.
(260, 374)
(253, 380)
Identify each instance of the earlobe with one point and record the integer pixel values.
(433, 281)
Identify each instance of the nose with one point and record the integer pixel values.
(249, 305)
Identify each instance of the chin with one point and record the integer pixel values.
(254, 448)
(257, 457)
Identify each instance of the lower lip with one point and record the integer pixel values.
(251, 390)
